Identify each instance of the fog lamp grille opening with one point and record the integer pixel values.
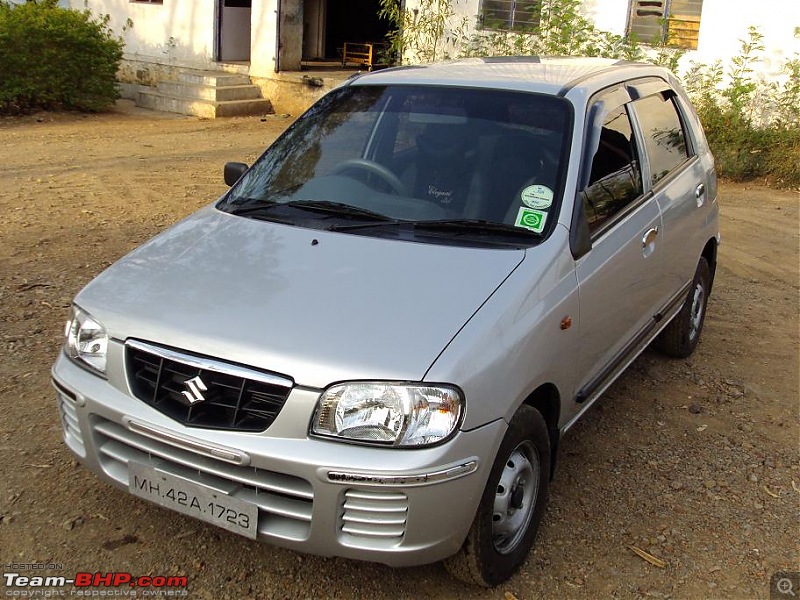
(374, 515)
(70, 424)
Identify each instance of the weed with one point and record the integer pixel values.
(753, 126)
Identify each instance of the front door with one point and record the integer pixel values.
(621, 277)
(314, 20)
(234, 30)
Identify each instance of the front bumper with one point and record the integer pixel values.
(397, 507)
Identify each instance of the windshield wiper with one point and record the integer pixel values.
(338, 209)
(456, 225)
(474, 226)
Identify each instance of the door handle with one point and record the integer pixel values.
(699, 192)
(649, 237)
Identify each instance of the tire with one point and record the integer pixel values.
(511, 507)
(680, 337)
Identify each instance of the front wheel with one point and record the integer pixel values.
(511, 506)
(680, 337)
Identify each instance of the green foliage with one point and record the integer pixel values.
(52, 57)
(420, 35)
(562, 30)
(753, 126)
(430, 34)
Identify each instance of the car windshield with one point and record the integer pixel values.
(438, 162)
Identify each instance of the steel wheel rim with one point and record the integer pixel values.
(515, 498)
(696, 311)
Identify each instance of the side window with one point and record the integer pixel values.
(615, 180)
(664, 138)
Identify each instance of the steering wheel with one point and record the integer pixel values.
(374, 168)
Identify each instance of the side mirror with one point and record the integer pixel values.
(233, 171)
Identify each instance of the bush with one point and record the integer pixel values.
(52, 57)
(753, 127)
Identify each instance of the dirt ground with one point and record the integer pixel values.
(694, 461)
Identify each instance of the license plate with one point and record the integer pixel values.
(193, 499)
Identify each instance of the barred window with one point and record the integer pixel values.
(674, 22)
(510, 15)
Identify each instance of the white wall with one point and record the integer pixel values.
(608, 15)
(262, 40)
(177, 32)
(724, 22)
(190, 26)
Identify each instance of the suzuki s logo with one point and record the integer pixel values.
(195, 389)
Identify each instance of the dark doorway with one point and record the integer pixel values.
(353, 21)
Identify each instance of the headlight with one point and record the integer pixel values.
(385, 413)
(86, 341)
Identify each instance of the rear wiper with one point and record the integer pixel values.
(339, 209)
(457, 225)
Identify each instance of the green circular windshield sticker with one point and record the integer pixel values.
(537, 196)
(532, 219)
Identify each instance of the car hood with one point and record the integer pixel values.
(314, 305)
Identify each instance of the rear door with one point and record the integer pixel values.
(621, 275)
(677, 179)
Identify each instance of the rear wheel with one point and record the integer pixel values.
(680, 337)
(511, 506)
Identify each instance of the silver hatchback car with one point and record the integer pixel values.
(371, 345)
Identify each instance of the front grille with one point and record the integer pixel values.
(284, 502)
(202, 392)
(377, 516)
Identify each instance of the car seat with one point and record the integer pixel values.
(518, 159)
(443, 167)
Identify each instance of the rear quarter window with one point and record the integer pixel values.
(664, 136)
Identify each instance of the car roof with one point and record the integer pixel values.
(548, 75)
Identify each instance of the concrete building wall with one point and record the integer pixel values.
(181, 32)
(178, 32)
(291, 34)
(722, 25)
(608, 15)
(725, 22)
(264, 30)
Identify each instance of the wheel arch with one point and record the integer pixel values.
(547, 400)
